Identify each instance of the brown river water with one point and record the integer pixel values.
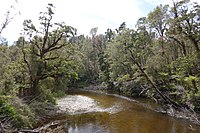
(88, 112)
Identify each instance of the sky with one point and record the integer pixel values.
(81, 14)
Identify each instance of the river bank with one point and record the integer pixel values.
(97, 111)
(52, 118)
(181, 113)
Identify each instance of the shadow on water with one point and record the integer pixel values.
(88, 112)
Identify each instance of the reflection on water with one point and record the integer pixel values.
(99, 113)
(88, 128)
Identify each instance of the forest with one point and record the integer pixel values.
(159, 59)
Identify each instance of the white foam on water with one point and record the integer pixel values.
(77, 104)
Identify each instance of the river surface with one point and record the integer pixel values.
(88, 112)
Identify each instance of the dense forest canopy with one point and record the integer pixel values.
(159, 59)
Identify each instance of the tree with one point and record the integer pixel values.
(184, 30)
(42, 47)
(185, 24)
(158, 21)
(109, 34)
(130, 51)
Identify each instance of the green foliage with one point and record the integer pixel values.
(190, 79)
(19, 112)
(163, 50)
(12, 72)
(124, 78)
(196, 100)
(184, 64)
(5, 107)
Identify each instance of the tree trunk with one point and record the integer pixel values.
(165, 98)
(35, 87)
(182, 44)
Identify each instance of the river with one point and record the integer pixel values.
(88, 112)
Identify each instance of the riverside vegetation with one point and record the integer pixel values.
(159, 59)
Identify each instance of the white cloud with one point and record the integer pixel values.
(102, 14)
(82, 14)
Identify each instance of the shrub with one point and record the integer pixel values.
(19, 113)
